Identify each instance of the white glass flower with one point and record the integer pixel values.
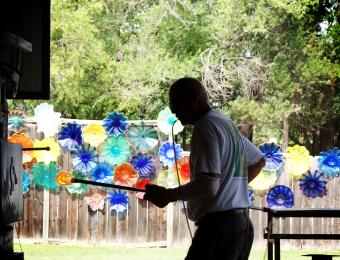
(47, 120)
(166, 119)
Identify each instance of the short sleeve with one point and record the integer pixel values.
(253, 154)
(205, 153)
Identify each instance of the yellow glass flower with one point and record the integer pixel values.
(94, 134)
(298, 161)
(46, 156)
(167, 179)
(162, 178)
(263, 182)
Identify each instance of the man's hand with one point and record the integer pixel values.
(158, 195)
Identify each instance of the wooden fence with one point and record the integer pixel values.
(58, 216)
(71, 219)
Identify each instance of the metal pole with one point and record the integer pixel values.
(74, 180)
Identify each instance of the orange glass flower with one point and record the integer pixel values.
(141, 185)
(125, 175)
(63, 178)
(26, 142)
(183, 169)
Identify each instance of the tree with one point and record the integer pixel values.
(269, 64)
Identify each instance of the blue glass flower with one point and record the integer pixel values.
(280, 197)
(167, 154)
(44, 175)
(116, 150)
(118, 200)
(329, 163)
(142, 137)
(144, 164)
(70, 136)
(115, 123)
(26, 182)
(313, 184)
(272, 155)
(84, 158)
(251, 195)
(102, 172)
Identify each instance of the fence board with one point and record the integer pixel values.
(132, 217)
(38, 213)
(114, 225)
(164, 225)
(296, 222)
(102, 225)
(72, 218)
(317, 223)
(121, 227)
(336, 222)
(153, 225)
(25, 226)
(83, 233)
(52, 232)
(93, 226)
(176, 225)
(255, 216)
(28, 215)
(326, 223)
(141, 220)
(183, 227)
(62, 214)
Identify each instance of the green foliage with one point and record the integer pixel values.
(266, 118)
(123, 55)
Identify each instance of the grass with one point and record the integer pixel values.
(82, 252)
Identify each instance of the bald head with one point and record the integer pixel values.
(188, 95)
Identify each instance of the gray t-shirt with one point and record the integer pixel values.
(218, 147)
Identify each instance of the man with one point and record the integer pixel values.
(217, 194)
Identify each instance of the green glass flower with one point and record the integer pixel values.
(143, 138)
(78, 189)
(44, 175)
(116, 150)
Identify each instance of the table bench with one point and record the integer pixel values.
(274, 238)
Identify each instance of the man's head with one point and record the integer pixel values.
(188, 100)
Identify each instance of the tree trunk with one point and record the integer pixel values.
(316, 143)
(306, 140)
(327, 136)
(246, 128)
(285, 133)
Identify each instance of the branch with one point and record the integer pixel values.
(222, 73)
(175, 14)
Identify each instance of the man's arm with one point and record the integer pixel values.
(254, 158)
(254, 170)
(203, 186)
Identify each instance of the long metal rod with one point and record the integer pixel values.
(36, 148)
(75, 180)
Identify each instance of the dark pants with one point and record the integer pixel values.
(223, 235)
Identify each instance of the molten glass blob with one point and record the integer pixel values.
(64, 178)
